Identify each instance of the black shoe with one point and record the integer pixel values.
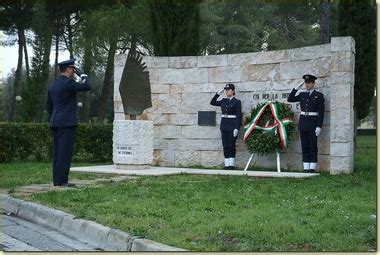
(312, 171)
(226, 168)
(231, 168)
(306, 171)
(67, 184)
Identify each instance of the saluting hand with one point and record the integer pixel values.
(220, 92)
(299, 86)
(83, 77)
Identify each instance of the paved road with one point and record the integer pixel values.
(20, 235)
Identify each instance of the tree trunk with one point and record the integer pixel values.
(70, 36)
(45, 69)
(27, 69)
(107, 83)
(324, 21)
(56, 68)
(86, 97)
(46, 57)
(356, 125)
(17, 83)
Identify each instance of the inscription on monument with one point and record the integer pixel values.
(124, 150)
(275, 96)
(270, 96)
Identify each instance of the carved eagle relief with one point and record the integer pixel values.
(134, 86)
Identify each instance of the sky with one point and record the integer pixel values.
(9, 55)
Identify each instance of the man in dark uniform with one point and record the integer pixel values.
(63, 118)
(311, 120)
(230, 123)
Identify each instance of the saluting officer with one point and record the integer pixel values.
(63, 117)
(230, 123)
(311, 120)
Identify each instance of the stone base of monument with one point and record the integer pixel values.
(163, 171)
(131, 167)
(132, 144)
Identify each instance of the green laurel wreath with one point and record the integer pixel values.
(263, 142)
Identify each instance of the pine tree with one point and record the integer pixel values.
(358, 19)
(175, 27)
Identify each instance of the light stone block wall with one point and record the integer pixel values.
(182, 86)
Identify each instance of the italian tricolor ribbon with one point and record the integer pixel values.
(278, 123)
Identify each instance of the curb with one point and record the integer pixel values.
(102, 237)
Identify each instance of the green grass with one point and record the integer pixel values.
(18, 173)
(237, 213)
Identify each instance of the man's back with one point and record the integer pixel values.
(62, 106)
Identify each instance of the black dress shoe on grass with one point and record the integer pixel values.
(69, 184)
(65, 184)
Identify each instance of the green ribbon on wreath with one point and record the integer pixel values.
(278, 123)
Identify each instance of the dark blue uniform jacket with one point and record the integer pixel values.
(230, 107)
(309, 103)
(62, 101)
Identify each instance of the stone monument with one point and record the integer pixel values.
(182, 88)
(133, 139)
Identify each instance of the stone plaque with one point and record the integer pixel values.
(124, 150)
(206, 118)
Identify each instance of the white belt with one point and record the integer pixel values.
(228, 116)
(309, 113)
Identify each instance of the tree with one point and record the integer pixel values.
(106, 43)
(231, 27)
(175, 27)
(292, 25)
(98, 47)
(358, 19)
(34, 93)
(236, 27)
(15, 18)
(7, 93)
(324, 21)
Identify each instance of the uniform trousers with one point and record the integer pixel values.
(309, 146)
(63, 145)
(228, 141)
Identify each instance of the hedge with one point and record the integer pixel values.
(33, 141)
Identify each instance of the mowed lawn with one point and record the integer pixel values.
(225, 213)
(20, 173)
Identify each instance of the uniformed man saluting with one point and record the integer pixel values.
(311, 120)
(63, 118)
(230, 123)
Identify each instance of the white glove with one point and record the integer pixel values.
(299, 86)
(317, 131)
(236, 131)
(220, 92)
(83, 77)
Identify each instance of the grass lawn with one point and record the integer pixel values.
(237, 213)
(24, 173)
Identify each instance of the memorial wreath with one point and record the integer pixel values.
(268, 127)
